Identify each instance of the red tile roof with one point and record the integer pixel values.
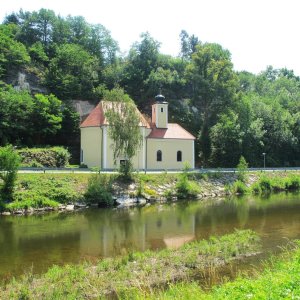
(174, 131)
(97, 116)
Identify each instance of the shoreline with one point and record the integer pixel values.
(142, 190)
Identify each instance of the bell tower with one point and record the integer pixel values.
(160, 112)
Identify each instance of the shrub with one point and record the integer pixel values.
(265, 184)
(186, 188)
(256, 189)
(34, 201)
(239, 187)
(242, 168)
(9, 163)
(99, 190)
(292, 182)
(47, 157)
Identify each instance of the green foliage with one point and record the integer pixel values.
(117, 276)
(72, 72)
(9, 163)
(99, 190)
(186, 188)
(242, 169)
(125, 131)
(26, 118)
(267, 184)
(47, 157)
(61, 189)
(12, 52)
(239, 187)
(34, 201)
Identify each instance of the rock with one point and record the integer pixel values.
(126, 201)
(61, 207)
(142, 201)
(132, 186)
(69, 207)
(18, 212)
(80, 205)
(6, 213)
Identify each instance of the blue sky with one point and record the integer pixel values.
(256, 32)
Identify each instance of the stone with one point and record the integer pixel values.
(70, 207)
(142, 201)
(6, 213)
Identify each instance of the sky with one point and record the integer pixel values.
(258, 33)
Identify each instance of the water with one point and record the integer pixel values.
(37, 242)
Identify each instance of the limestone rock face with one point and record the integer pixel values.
(24, 80)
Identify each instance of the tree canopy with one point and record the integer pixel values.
(233, 114)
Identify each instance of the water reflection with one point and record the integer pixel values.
(58, 238)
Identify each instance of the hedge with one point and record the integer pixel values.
(44, 157)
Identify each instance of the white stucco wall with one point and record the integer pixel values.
(91, 141)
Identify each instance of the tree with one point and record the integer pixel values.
(213, 86)
(124, 128)
(9, 163)
(143, 58)
(242, 168)
(12, 53)
(188, 44)
(226, 141)
(73, 73)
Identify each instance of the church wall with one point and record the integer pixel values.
(169, 148)
(91, 141)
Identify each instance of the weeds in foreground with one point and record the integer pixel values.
(134, 273)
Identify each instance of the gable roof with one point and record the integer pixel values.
(174, 131)
(97, 116)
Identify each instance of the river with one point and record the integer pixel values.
(37, 242)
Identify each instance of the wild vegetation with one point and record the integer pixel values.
(123, 275)
(279, 280)
(231, 113)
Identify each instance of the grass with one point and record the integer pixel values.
(47, 190)
(135, 271)
(44, 190)
(279, 280)
(273, 183)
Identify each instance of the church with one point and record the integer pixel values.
(165, 146)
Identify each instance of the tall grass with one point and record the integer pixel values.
(268, 184)
(279, 280)
(131, 274)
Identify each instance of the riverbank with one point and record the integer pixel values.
(38, 193)
(134, 271)
(279, 280)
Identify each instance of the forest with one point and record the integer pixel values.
(231, 113)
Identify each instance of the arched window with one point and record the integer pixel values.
(179, 156)
(158, 155)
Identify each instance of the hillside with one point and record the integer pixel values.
(231, 113)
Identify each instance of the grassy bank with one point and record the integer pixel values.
(135, 271)
(51, 190)
(267, 183)
(279, 280)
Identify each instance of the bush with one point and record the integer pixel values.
(256, 189)
(239, 187)
(99, 190)
(292, 182)
(242, 168)
(34, 201)
(186, 188)
(265, 184)
(9, 163)
(47, 157)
